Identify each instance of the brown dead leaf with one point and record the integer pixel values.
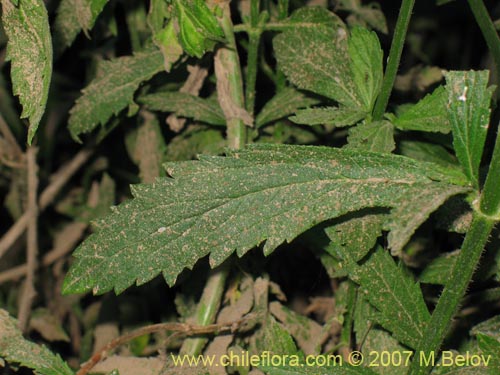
(47, 325)
(192, 86)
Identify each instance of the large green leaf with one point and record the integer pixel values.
(216, 205)
(112, 90)
(74, 16)
(15, 348)
(186, 105)
(30, 51)
(398, 299)
(469, 113)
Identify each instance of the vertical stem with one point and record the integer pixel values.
(230, 82)
(453, 292)
(207, 308)
(32, 240)
(489, 32)
(252, 56)
(230, 95)
(490, 197)
(391, 70)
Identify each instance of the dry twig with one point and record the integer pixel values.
(240, 325)
(58, 180)
(32, 240)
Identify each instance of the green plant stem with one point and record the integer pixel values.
(391, 70)
(229, 71)
(490, 197)
(252, 57)
(490, 34)
(453, 292)
(207, 308)
(228, 77)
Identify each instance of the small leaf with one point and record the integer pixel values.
(312, 17)
(273, 337)
(317, 60)
(342, 116)
(375, 136)
(306, 332)
(166, 40)
(366, 65)
(469, 112)
(490, 327)
(490, 347)
(356, 234)
(16, 349)
(113, 90)
(146, 147)
(428, 115)
(398, 299)
(29, 49)
(197, 25)
(428, 152)
(439, 270)
(185, 105)
(74, 16)
(266, 193)
(285, 103)
(412, 213)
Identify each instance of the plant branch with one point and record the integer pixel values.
(207, 308)
(11, 140)
(241, 325)
(29, 291)
(231, 100)
(58, 180)
(490, 197)
(391, 70)
(69, 239)
(230, 84)
(490, 34)
(453, 292)
(252, 57)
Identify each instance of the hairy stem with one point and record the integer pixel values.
(453, 292)
(391, 70)
(252, 57)
(230, 83)
(489, 32)
(490, 197)
(230, 95)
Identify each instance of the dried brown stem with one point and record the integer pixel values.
(11, 140)
(72, 234)
(58, 180)
(177, 328)
(32, 240)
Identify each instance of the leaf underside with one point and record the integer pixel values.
(264, 194)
